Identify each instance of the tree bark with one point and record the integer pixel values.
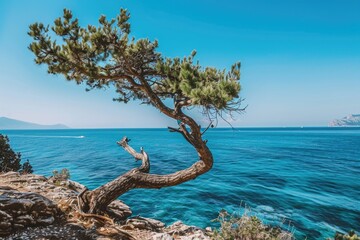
(97, 200)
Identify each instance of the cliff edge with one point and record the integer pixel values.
(36, 207)
(352, 120)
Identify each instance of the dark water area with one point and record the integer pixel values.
(305, 178)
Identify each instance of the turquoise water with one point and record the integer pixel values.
(309, 177)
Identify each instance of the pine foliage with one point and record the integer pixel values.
(106, 55)
(11, 161)
(26, 168)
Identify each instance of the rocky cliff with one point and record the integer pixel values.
(36, 207)
(352, 120)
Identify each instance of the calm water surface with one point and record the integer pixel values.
(309, 177)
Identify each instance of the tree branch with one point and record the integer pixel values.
(98, 199)
(145, 166)
(182, 103)
(210, 125)
(181, 131)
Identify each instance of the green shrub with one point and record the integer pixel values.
(246, 227)
(26, 168)
(63, 175)
(350, 236)
(11, 161)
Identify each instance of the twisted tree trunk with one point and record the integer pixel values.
(97, 200)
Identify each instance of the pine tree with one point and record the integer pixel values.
(9, 160)
(26, 168)
(106, 56)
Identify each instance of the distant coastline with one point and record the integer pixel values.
(320, 128)
(14, 124)
(352, 120)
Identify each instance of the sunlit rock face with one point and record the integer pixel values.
(352, 120)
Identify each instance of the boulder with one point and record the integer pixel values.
(161, 236)
(119, 210)
(185, 232)
(22, 209)
(146, 223)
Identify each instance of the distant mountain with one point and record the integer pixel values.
(9, 124)
(353, 120)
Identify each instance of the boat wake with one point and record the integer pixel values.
(39, 136)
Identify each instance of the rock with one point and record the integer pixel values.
(17, 210)
(5, 223)
(161, 236)
(352, 120)
(118, 210)
(10, 174)
(195, 236)
(41, 185)
(146, 223)
(58, 232)
(75, 186)
(34, 178)
(181, 228)
(25, 220)
(15, 204)
(186, 232)
(6, 188)
(46, 220)
(5, 216)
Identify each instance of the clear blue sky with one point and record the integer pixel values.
(300, 59)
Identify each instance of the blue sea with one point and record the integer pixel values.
(307, 179)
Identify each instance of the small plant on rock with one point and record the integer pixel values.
(351, 235)
(61, 176)
(26, 168)
(243, 227)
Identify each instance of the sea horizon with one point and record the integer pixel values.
(210, 129)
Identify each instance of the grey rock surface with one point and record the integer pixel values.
(352, 120)
(34, 207)
(19, 210)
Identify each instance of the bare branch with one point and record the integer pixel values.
(124, 143)
(179, 130)
(145, 166)
(171, 129)
(182, 103)
(210, 125)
